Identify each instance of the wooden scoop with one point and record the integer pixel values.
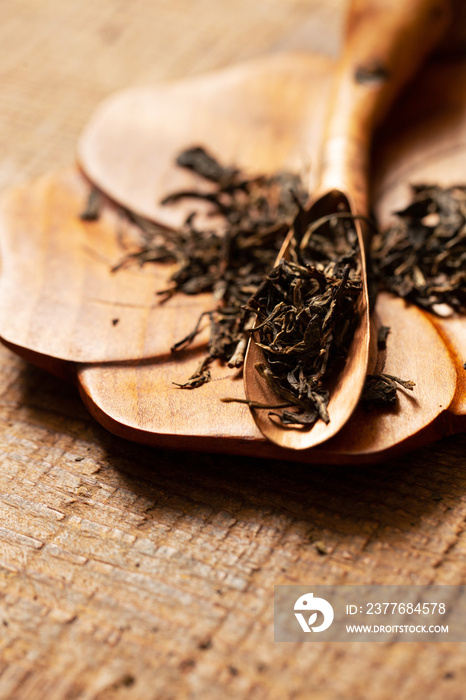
(386, 42)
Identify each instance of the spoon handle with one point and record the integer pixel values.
(385, 44)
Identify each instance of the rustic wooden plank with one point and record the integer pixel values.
(127, 572)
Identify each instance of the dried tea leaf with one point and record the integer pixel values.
(201, 376)
(422, 256)
(381, 389)
(204, 164)
(93, 205)
(382, 335)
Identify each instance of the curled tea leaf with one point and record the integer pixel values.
(381, 389)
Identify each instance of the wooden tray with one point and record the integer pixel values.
(62, 308)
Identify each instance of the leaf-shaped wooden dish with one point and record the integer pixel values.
(425, 143)
(62, 307)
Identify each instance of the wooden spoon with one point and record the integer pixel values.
(385, 44)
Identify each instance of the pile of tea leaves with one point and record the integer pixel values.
(306, 317)
(230, 261)
(303, 312)
(306, 307)
(422, 255)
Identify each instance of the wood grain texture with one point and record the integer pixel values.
(136, 573)
(264, 115)
(140, 573)
(59, 296)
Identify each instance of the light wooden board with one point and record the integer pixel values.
(129, 572)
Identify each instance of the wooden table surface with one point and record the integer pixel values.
(136, 573)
